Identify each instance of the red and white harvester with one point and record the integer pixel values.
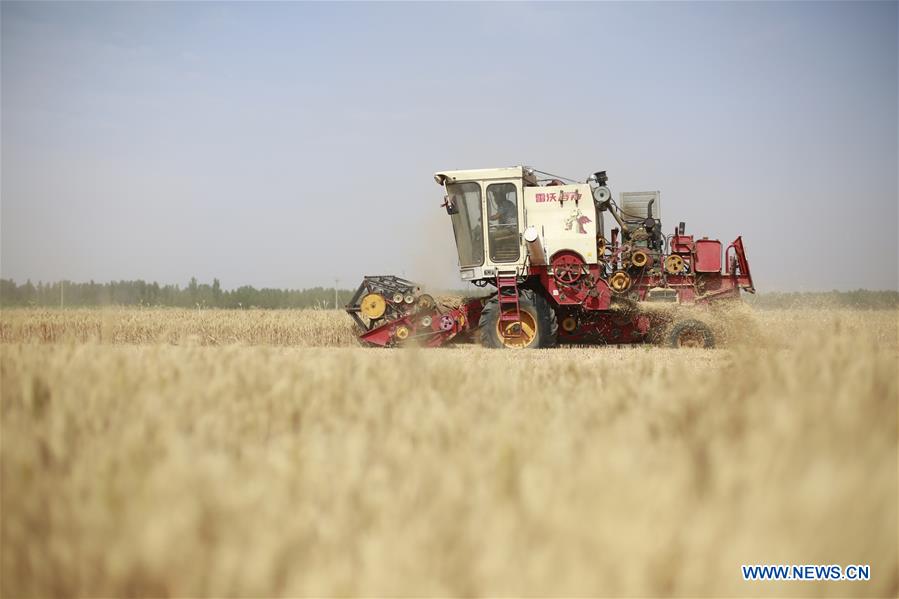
(559, 278)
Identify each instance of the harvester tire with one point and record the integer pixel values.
(691, 333)
(534, 308)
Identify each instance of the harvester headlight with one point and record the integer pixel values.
(602, 194)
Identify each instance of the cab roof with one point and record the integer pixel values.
(481, 174)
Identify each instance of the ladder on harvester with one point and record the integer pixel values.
(507, 296)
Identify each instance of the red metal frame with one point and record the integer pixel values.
(591, 292)
(445, 325)
(581, 291)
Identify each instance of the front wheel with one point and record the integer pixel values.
(538, 325)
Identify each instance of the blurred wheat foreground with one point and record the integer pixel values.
(177, 453)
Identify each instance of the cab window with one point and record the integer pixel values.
(467, 224)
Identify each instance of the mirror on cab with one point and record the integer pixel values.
(450, 204)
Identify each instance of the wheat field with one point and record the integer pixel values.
(180, 453)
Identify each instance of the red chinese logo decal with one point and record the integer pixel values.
(562, 196)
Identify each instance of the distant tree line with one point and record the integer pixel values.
(203, 295)
(141, 293)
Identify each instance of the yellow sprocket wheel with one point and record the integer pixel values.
(639, 258)
(620, 281)
(426, 302)
(674, 264)
(402, 332)
(373, 306)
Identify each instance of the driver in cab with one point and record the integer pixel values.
(504, 210)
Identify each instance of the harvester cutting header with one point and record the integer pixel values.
(558, 277)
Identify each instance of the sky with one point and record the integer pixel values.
(292, 144)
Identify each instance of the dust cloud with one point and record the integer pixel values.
(434, 263)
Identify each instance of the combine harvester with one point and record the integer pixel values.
(559, 279)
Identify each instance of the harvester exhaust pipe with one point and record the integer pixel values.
(535, 246)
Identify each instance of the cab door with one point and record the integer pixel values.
(503, 208)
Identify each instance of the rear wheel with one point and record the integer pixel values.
(691, 333)
(538, 326)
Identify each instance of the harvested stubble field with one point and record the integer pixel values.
(176, 453)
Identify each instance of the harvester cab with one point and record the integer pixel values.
(559, 275)
(492, 211)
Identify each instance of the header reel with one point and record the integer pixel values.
(391, 311)
(382, 298)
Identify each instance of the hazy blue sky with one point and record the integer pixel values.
(288, 144)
